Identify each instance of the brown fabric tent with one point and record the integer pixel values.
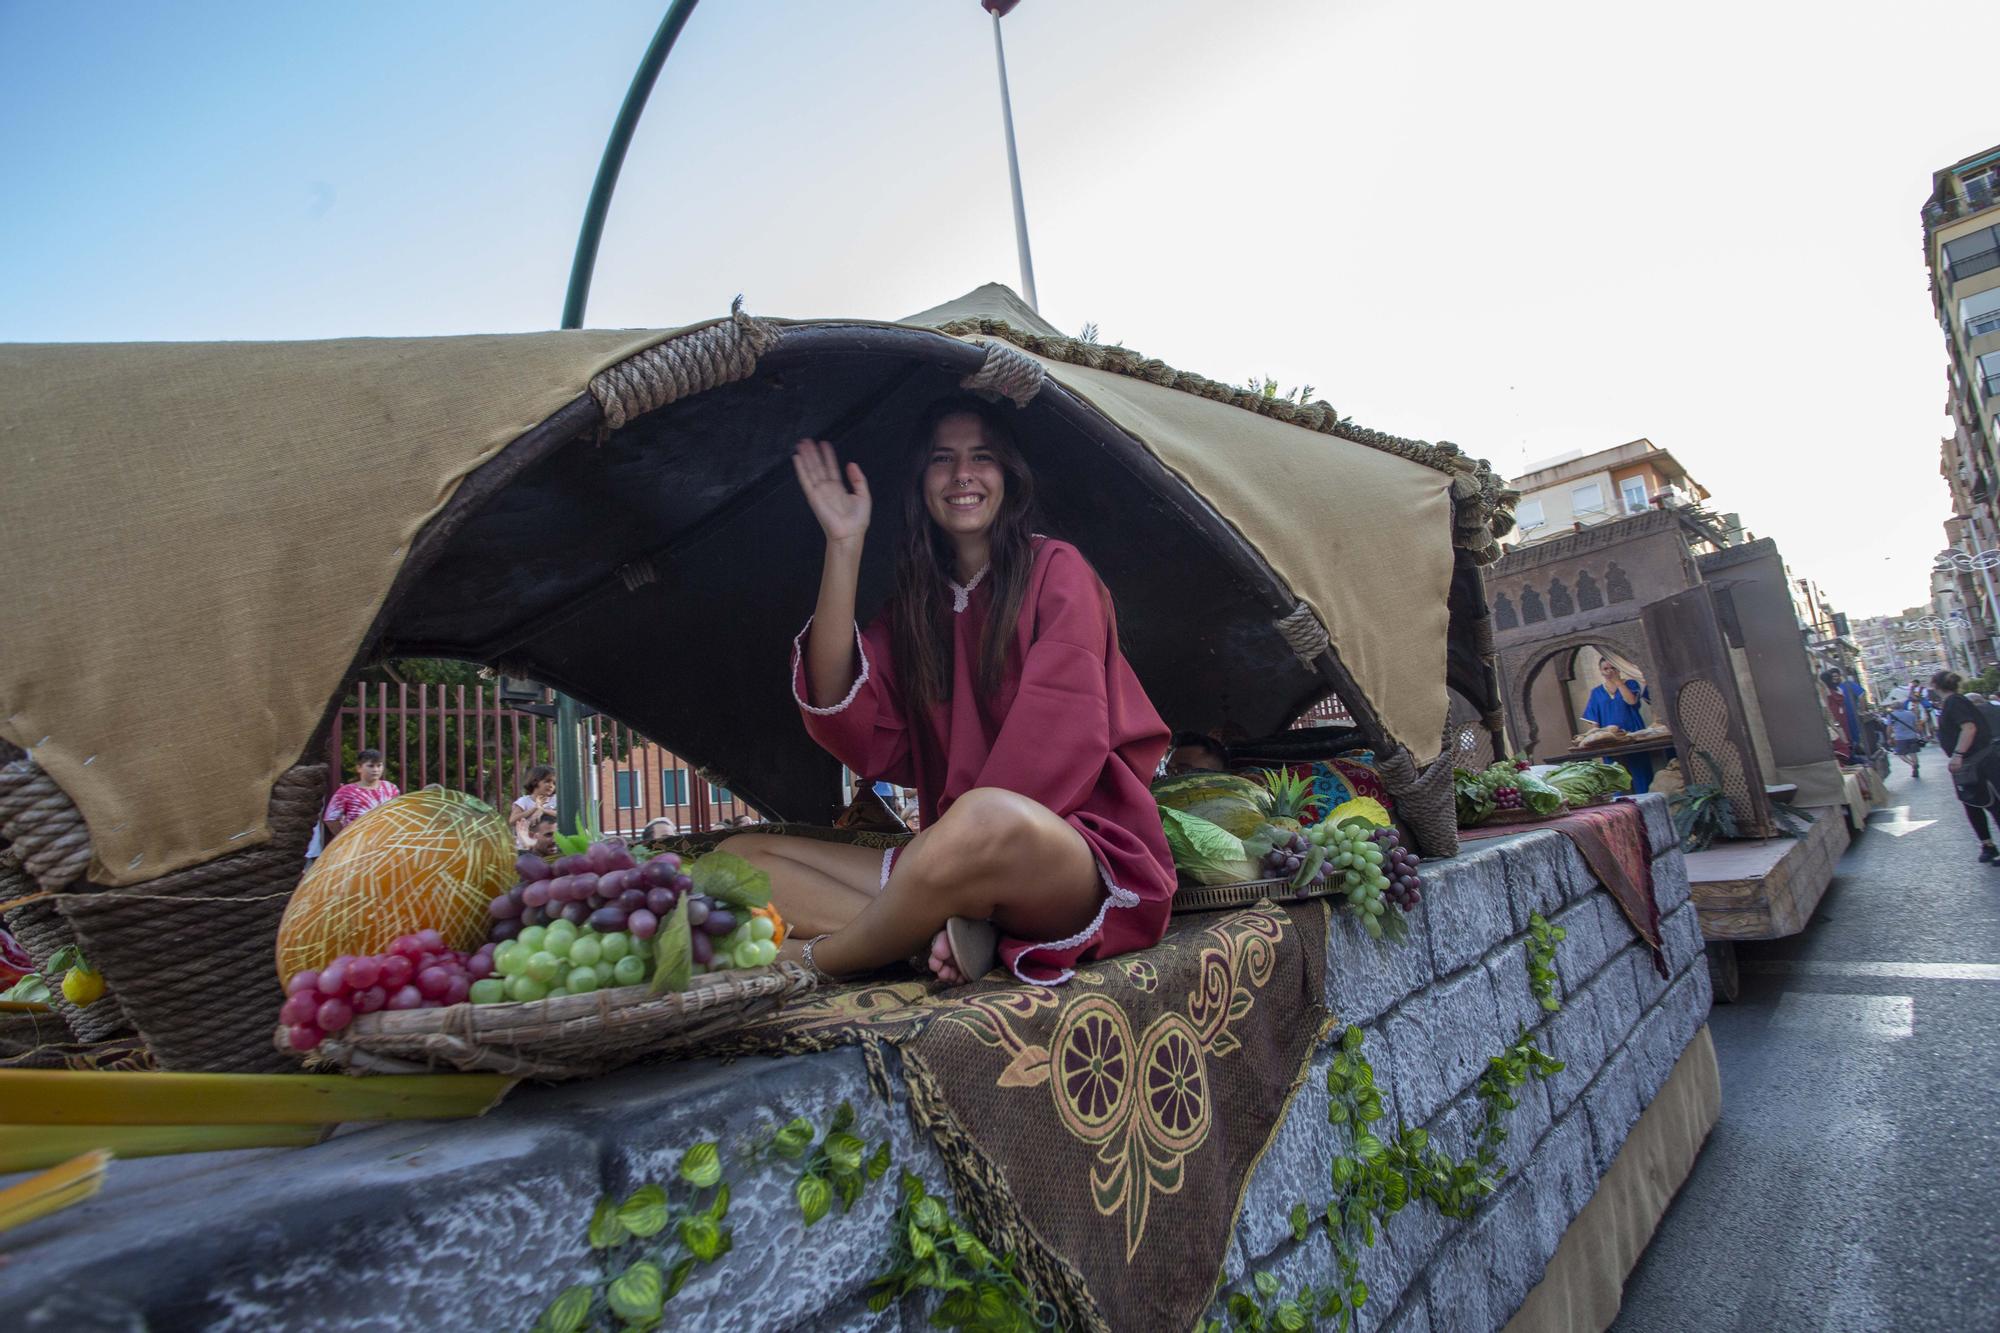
(206, 540)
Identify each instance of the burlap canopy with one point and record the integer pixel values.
(203, 539)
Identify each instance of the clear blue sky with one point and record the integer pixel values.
(1526, 229)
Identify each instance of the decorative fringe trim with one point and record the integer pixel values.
(1484, 504)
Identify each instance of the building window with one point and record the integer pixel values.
(674, 785)
(1587, 499)
(1974, 254)
(628, 789)
(1979, 313)
(1528, 516)
(717, 795)
(1989, 375)
(1634, 491)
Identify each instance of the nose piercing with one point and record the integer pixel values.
(965, 483)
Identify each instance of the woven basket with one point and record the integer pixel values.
(190, 955)
(572, 1036)
(1522, 816)
(41, 930)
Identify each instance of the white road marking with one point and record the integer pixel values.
(1899, 822)
(1882, 1017)
(1892, 971)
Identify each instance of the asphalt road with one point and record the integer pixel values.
(1854, 1179)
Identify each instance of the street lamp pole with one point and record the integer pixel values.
(569, 715)
(996, 8)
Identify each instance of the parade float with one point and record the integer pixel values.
(1273, 1116)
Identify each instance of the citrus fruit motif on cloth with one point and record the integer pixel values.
(431, 860)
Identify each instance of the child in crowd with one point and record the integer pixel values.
(353, 799)
(537, 798)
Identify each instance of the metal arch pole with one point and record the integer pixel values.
(1014, 175)
(569, 717)
(613, 161)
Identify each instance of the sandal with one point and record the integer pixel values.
(975, 946)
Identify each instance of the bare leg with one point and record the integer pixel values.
(818, 887)
(995, 855)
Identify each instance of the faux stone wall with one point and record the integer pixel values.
(478, 1225)
(1457, 994)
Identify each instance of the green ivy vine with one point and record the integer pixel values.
(1542, 941)
(650, 1243)
(1377, 1175)
(930, 1249)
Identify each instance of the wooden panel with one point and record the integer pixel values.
(1694, 691)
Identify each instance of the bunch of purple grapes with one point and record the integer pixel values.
(1399, 865)
(1507, 798)
(605, 888)
(1285, 858)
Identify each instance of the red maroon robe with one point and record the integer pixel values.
(1069, 726)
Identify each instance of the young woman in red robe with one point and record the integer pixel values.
(993, 684)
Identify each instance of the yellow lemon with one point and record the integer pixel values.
(82, 987)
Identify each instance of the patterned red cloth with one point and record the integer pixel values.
(1069, 726)
(1613, 841)
(353, 799)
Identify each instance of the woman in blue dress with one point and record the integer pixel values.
(1615, 703)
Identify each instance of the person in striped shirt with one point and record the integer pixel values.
(368, 790)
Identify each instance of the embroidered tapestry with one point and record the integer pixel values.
(1103, 1131)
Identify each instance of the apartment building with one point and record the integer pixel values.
(1962, 250)
(1581, 489)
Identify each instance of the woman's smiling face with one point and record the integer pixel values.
(963, 481)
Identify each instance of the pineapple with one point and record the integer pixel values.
(1288, 798)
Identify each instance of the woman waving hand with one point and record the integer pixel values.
(992, 682)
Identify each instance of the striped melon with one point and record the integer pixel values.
(432, 859)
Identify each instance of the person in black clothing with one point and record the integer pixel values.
(1967, 736)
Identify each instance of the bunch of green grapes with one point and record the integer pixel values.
(1355, 862)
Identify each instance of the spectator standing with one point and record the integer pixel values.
(1907, 730)
(537, 798)
(1967, 736)
(353, 799)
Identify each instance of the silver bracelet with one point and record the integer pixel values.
(806, 952)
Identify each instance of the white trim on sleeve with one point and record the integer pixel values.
(798, 657)
(1114, 897)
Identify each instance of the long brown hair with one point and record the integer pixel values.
(920, 615)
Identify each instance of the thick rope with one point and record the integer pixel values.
(1425, 800)
(1481, 494)
(670, 371)
(1305, 634)
(44, 825)
(1007, 372)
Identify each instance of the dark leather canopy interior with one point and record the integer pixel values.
(659, 574)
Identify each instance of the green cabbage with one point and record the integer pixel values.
(1205, 852)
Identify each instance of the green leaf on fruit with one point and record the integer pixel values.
(673, 951)
(702, 1237)
(645, 1213)
(815, 1196)
(638, 1294)
(792, 1141)
(728, 878)
(568, 1311)
(701, 1165)
(606, 1230)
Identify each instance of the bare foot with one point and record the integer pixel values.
(942, 963)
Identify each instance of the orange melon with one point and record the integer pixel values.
(432, 859)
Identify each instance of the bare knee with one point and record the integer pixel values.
(981, 839)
